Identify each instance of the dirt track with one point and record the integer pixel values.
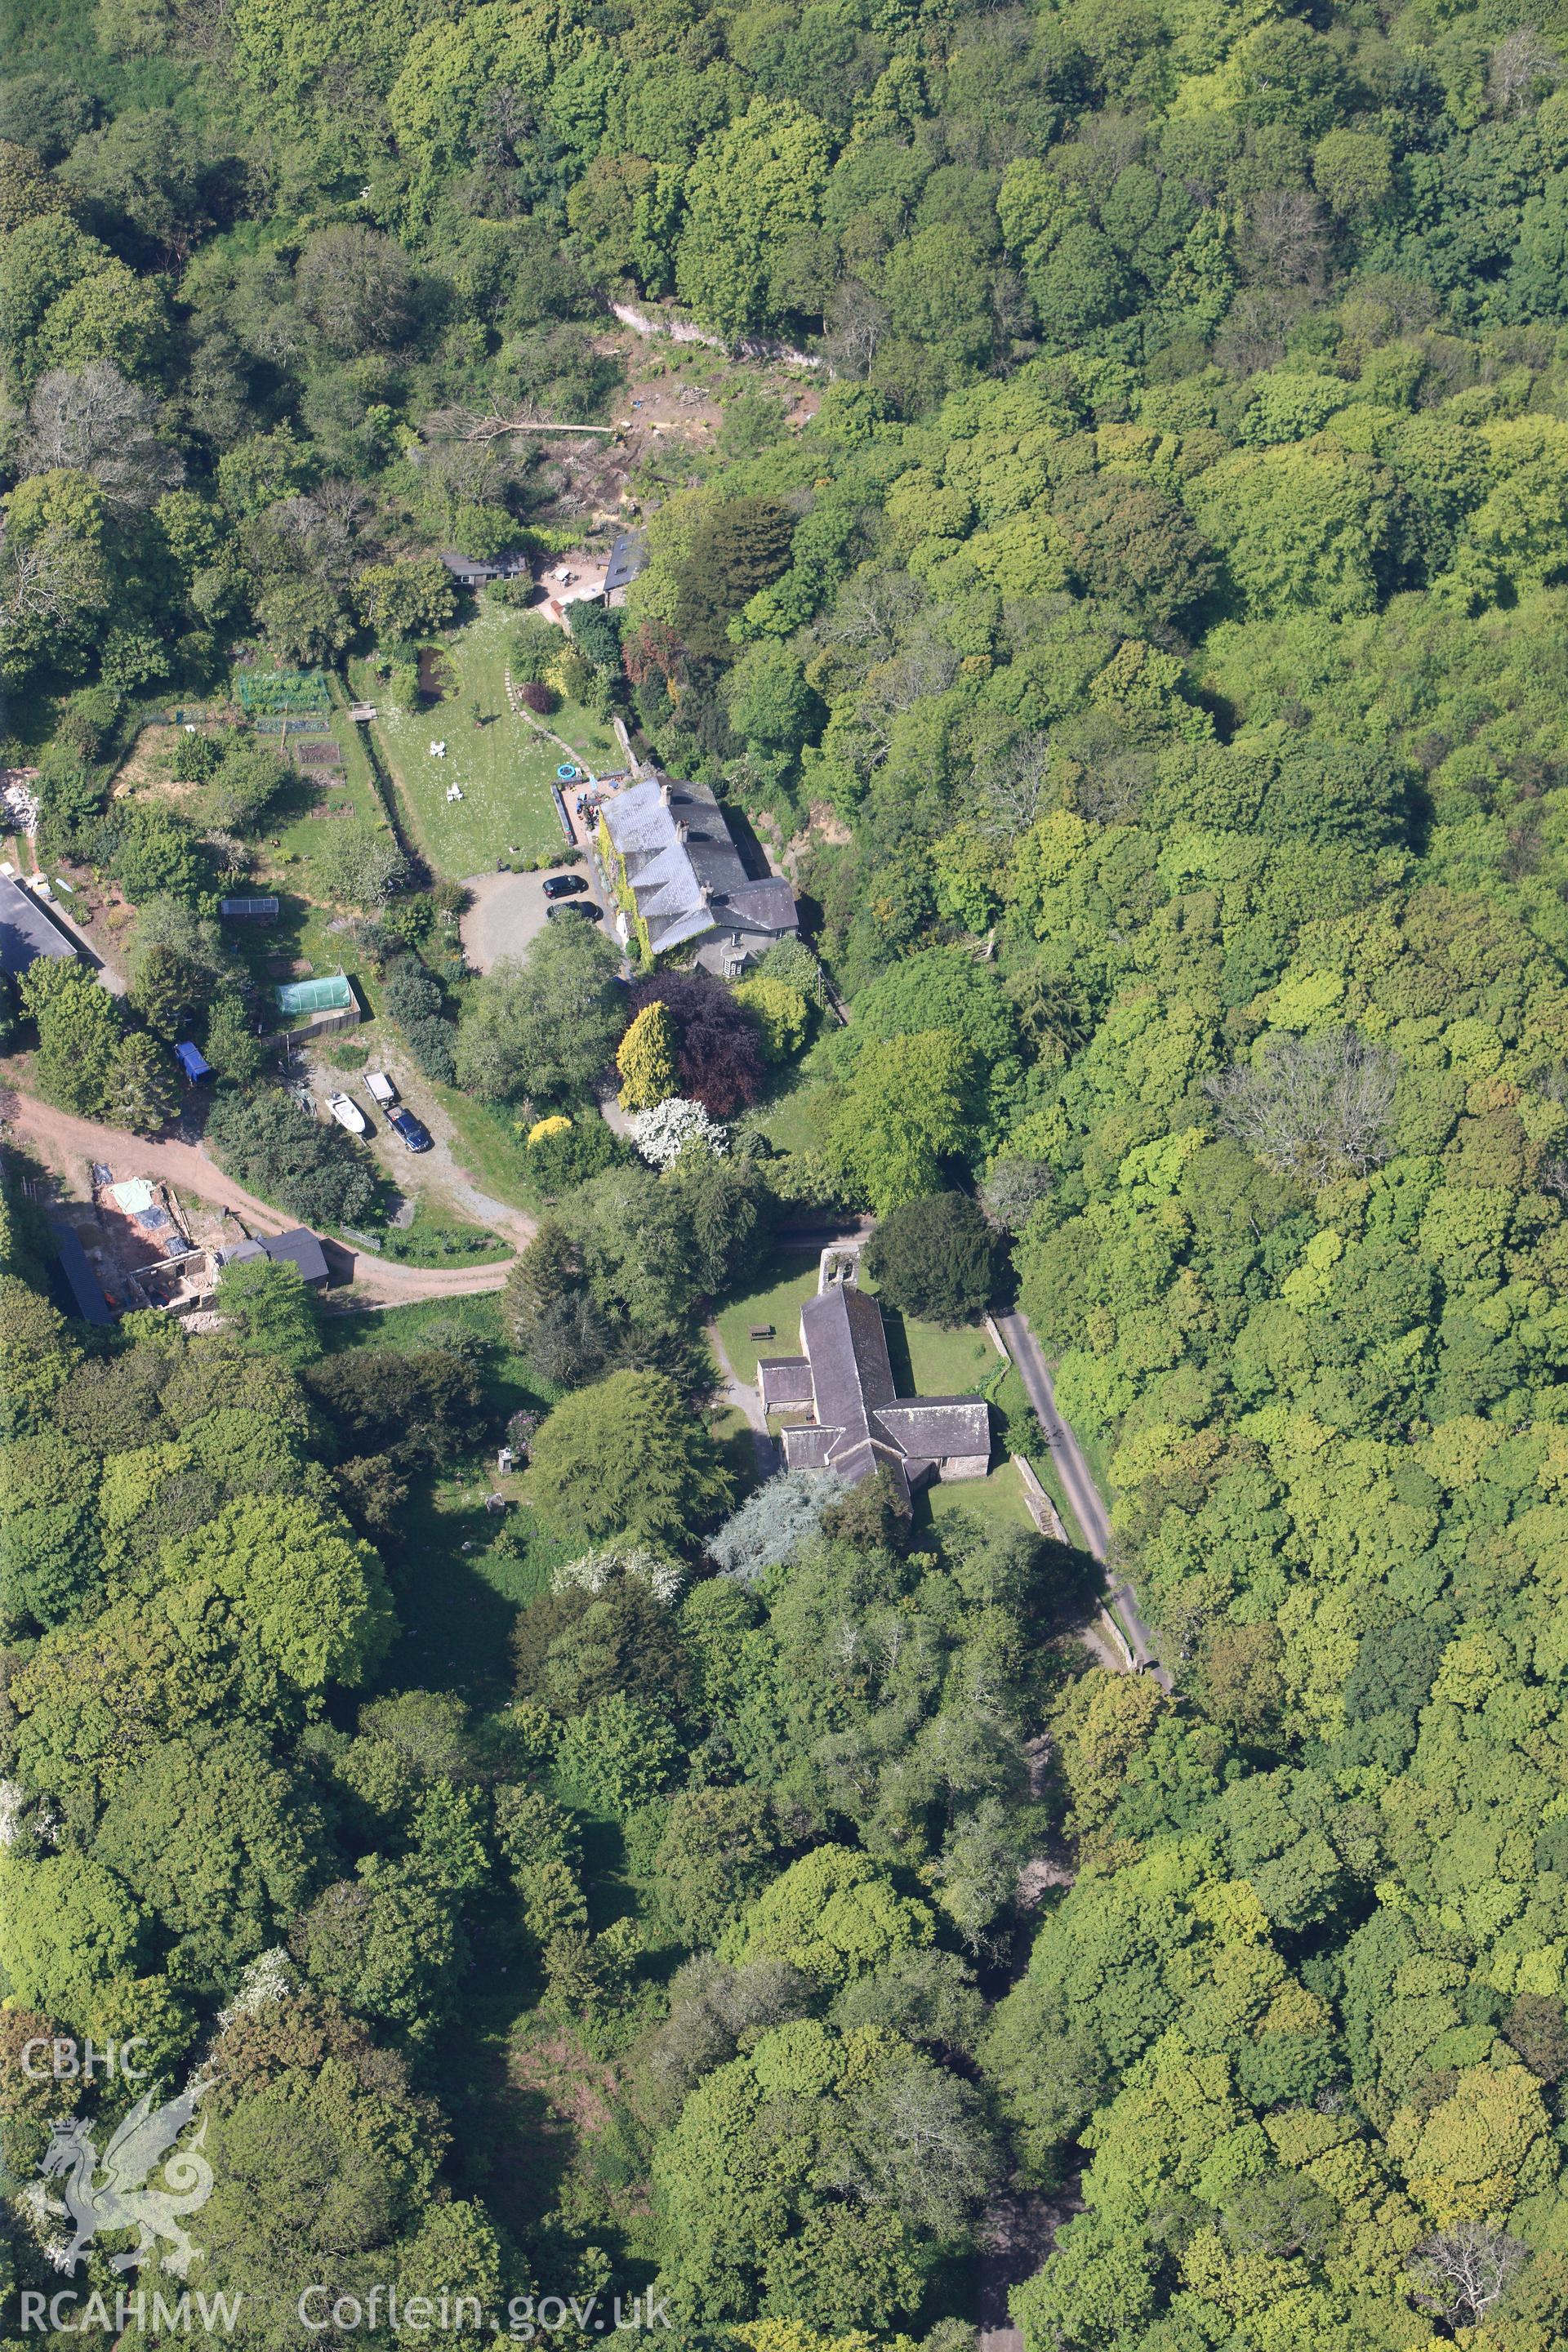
(69, 1145)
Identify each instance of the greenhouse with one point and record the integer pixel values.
(332, 994)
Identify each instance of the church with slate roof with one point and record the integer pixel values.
(844, 1378)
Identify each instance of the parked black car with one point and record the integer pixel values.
(590, 913)
(565, 885)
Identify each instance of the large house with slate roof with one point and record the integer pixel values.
(844, 1378)
(679, 878)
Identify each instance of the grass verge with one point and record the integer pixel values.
(489, 1147)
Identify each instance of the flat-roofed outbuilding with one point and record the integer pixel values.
(27, 931)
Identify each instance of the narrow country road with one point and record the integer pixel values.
(1081, 1492)
(58, 1140)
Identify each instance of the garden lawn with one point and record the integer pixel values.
(440, 1236)
(795, 1119)
(459, 1575)
(507, 1379)
(996, 1501)
(290, 843)
(504, 768)
(459, 1578)
(926, 1360)
(301, 935)
(488, 1146)
(733, 1434)
(930, 1361)
(787, 1280)
(405, 1326)
(936, 1363)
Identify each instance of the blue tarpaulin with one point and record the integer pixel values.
(192, 1063)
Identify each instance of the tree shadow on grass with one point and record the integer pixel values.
(511, 2143)
(306, 788)
(507, 2145)
(455, 1614)
(739, 1452)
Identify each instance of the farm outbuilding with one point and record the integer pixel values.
(86, 1291)
(299, 1246)
(26, 932)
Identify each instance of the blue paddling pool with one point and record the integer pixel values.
(567, 775)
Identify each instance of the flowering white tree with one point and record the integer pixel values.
(633, 1563)
(662, 1134)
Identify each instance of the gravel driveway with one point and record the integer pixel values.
(507, 910)
(438, 1174)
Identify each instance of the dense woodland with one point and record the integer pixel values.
(1154, 643)
(736, 1840)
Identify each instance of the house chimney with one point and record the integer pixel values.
(706, 890)
(682, 830)
(664, 791)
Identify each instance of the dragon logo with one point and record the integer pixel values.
(111, 2193)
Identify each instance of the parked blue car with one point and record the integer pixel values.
(403, 1122)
